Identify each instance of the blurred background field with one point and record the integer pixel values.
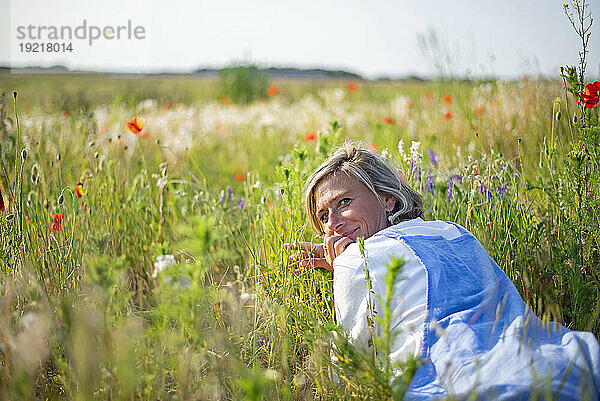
(149, 265)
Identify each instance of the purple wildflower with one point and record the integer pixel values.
(500, 189)
(485, 191)
(430, 183)
(433, 159)
(229, 192)
(221, 197)
(241, 203)
(456, 178)
(451, 181)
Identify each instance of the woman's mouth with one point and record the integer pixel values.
(351, 234)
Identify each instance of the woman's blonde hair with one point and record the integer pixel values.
(372, 170)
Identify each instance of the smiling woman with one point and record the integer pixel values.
(455, 308)
(356, 194)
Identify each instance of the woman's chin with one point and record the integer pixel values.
(354, 234)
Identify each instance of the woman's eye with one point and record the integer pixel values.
(344, 201)
(323, 218)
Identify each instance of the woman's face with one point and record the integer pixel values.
(348, 208)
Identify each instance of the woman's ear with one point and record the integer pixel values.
(389, 202)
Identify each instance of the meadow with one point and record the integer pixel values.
(147, 262)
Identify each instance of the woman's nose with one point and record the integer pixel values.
(335, 222)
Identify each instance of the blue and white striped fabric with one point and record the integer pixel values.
(480, 339)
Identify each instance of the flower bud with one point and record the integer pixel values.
(61, 199)
(10, 216)
(15, 94)
(574, 118)
(24, 154)
(558, 115)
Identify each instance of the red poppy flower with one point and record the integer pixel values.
(387, 120)
(590, 96)
(65, 113)
(479, 110)
(135, 125)
(55, 227)
(447, 115)
(352, 87)
(1, 202)
(272, 90)
(79, 189)
(57, 218)
(239, 177)
(311, 136)
(373, 147)
(270, 202)
(447, 99)
(225, 100)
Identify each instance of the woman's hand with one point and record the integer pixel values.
(334, 245)
(313, 255)
(319, 255)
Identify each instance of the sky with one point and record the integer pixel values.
(498, 38)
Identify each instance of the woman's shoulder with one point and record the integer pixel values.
(377, 249)
(424, 228)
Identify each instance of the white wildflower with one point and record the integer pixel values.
(401, 148)
(162, 262)
(401, 106)
(415, 151)
(147, 104)
(161, 182)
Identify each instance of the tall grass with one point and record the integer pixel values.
(88, 312)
